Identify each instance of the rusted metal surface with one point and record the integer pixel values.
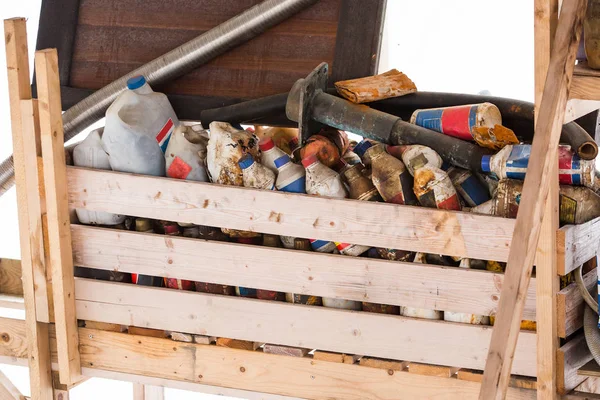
(378, 87)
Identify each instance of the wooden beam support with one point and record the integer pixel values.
(533, 202)
(350, 278)
(409, 228)
(570, 305)
(10, 277)
(577, 244)
(342, 331)
(25, 150)
(59, 232)
(570, 358)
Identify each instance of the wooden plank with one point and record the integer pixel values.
(59, 234)
(12, 302)
(237, 344)
(522, 382)
(57, 28)
(535, 191)
(591, 368)
(409, 228)
(360, 279)
(8, 391)
(136, 330)
(571, 357)
(590, 385)
(358, 41)
(570, 305)
(432, 370)
(342, 331)
(585, 88)
(577, 108)
(10, 277)
(29, 209)
(255, 371)
(335, 357)
(285, 350)
(13, 338)
(577, 244)
(105, 327)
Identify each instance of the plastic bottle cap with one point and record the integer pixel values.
(485, 164)
(282, 161)
(266, 143)
(246, 161)
(136, 82)
(309, 160)
(362, 147)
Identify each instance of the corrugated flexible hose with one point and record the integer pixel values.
(175, 63)
(590, 317)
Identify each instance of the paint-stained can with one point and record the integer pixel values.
(434, 189)
(359, 186)
(415, 156)
(472, 191)
(458, 121)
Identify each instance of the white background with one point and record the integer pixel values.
(465, 46)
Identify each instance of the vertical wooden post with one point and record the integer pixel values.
(59, 231)
(546, 18)
(24, 131)
(535, 192)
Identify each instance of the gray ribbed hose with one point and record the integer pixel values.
(590, 316)
(175, 63)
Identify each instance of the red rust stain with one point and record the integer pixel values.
(275, 216)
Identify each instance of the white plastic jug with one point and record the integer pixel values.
(89, 153)
(139, 124)
(183, 158)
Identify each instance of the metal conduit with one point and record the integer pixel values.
(175, 63)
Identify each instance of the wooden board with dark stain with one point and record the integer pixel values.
(113, 37)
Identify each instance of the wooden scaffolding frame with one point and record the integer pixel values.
(50, 338)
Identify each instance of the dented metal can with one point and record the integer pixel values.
(415, 156)
(391, 178)
(434, 189)
(359, 186)
(458, 121)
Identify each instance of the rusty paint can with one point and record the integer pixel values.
(303, 245)
(395, 255)
(353, 250)
(458, 121)
(472, 191)
(191, 232)
(391, 178)
(434, 189)
(359, 186)
(380, 308)
(325, 150)
(415, 156)
(212, 233)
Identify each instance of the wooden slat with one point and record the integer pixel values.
(342, 331)
(368, 223)
(13, 339)
(570, 357)
(12, 302)
(570, 305)
(590, 385)
(8, 391)
(248, 370)
(523, 382)
(360, 279)
(591, 368)
(578, 108)
(535, 191)
(29, 206)
(577, 244)
(59, 234)
(585, 88)
(10, 277)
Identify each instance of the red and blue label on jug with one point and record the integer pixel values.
(452, 121)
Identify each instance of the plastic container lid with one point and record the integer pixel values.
(309, 160)
(485, 163)
(266, 143)
(246, 161)
(284, 159)
(136, 82)
(362, 147)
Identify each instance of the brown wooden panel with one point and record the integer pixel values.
(117, 36)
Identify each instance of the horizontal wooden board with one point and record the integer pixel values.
(256, 371)
(328, 275)
(12, 302)
(10, 277)
(368, 223)
(570, 305)
(577, 244)
(570, 358)
(349, 332)
(13, 343)
(585, 87)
